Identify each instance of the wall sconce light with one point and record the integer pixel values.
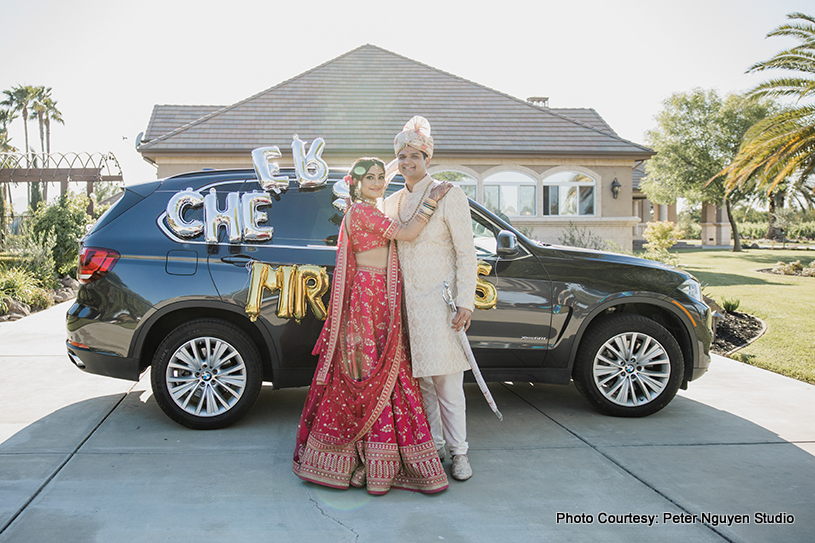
(615, 188)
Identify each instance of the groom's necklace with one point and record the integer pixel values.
(415, 211)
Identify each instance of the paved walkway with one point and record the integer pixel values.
(88, 458)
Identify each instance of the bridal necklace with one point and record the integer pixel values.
(369, 201)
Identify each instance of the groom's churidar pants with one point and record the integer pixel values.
(446, 410)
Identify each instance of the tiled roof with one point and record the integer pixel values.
(636, 176)
(359, 101)
(166, 118)
(586, 116)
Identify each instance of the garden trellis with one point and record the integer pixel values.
(62, 168)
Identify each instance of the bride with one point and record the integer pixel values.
(363, 423)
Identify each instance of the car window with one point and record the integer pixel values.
(484, 237)
(305, 218)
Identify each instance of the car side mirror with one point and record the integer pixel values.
(507, 243)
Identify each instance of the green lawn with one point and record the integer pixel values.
(785, 303)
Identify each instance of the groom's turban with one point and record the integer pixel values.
(415, 134)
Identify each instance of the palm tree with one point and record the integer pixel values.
(5, 143)
(51, 114)
(38, 106)
(6, 116)
(782, 146)
(19, 98)
(46, 109)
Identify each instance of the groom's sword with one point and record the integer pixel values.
(462, 335)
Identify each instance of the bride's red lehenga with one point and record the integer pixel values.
(364, 422)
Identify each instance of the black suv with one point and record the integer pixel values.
(166, 287)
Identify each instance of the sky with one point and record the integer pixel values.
(109, 62)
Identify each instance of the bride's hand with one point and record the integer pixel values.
(439, 190)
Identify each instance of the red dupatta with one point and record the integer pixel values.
(339, 409)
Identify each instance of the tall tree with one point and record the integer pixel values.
(38, 107)
(782, 147)
(6, 116)
(19, 98)
(51, 114)
(46, 109)
(698, 133)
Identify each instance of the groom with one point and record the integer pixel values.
(443, 251)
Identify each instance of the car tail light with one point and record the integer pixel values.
(95, 263)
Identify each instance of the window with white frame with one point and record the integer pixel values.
(511, 193)
(467, 182)
(569, 193)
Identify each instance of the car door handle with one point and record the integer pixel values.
(238, 260)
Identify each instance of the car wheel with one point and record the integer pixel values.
(206, 374)
(628, 366)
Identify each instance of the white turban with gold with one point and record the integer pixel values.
(415, 134)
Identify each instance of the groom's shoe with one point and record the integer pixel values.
(461, 470)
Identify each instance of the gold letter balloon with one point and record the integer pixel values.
(301, 287)
(314, 281)
(486, 295)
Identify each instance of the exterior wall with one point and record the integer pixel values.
(715, 228)
(168, 165)
(642, 209)
(613, 219)
(647, 212)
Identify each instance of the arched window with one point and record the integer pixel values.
(511, 193)
(466, 182)
(568, 193)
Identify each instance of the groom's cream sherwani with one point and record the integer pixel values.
(443, 251)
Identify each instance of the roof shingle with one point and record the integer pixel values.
(359, 101)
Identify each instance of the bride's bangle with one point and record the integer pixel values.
(426, 209)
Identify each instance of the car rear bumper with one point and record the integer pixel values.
(101, 363)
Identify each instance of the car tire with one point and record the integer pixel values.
(206, 374)
(628, 366)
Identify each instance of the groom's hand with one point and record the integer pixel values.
(462, 319)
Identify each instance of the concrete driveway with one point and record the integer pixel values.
(88, 458)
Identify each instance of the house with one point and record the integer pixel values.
(545, 169)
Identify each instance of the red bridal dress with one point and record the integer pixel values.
(364, 422)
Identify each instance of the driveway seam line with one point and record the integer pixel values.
(613, 461)
(65, 462)
(326, 515)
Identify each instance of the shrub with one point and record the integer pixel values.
(574, 236)
(802, 230)
(689, 228)
(66, 221)
(730, 304)
(527, 231)
(7, 260)
(33, 253)
(757, 230)
(791, 268)
(753, 230)
(660, 255)
(103, 192)
(21, 285)
(661, 235)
